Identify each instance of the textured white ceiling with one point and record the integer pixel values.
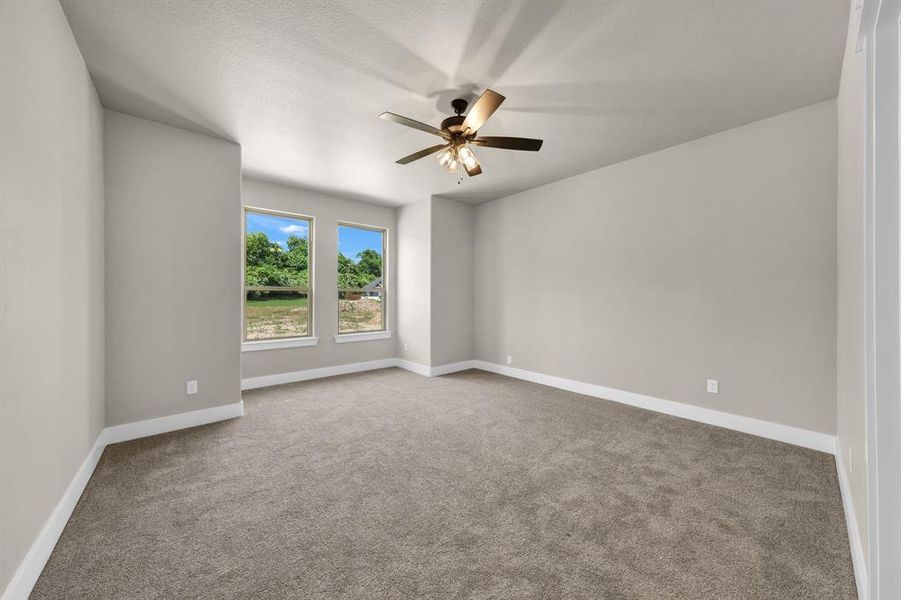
(300, 84)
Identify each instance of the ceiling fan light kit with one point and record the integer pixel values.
(459, 133)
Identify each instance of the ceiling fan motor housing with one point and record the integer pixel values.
(453, 124)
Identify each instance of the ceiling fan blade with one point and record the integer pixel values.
(484, 107)
(421, 154)
(509, 143)
(389, 116)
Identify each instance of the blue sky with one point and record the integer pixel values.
(276, 228)
(351, 240)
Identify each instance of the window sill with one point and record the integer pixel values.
(343, 338)
(276, 344)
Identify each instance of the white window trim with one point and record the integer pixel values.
(369, 335)
(277, 344)
(363, 336)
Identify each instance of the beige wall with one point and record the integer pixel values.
(51, 270)
(414, 265)
(851, 321)
(173, 252)
(452, 298)
(713, 259)
(327, 210)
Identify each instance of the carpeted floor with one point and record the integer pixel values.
(391, 485)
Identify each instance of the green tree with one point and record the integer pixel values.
(260, 251)
(369, 265)
(348, 273)
(271, 275)
(297, 256)
(268, 264)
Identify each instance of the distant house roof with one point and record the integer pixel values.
(374, 284)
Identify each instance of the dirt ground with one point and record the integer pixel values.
(364, 314)
(279, 318)
(273, 320)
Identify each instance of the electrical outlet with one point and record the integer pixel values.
(405, 347)
(713, 386)
(191, 387)
(509, 359)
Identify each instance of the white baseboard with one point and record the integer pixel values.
(251, 383)
(413, 367)
(35, 559)
(857, 556)
(148, 427)
(451, 368)
(427, 371)
(814, 440)
(32, 564)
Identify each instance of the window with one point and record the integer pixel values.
(277, 275)
(361, 278)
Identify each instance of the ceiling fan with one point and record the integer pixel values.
(460, 132)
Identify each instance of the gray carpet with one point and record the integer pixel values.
(391, 485)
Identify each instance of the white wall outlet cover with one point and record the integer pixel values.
(191, 387)
(509, 360)
(713, 386)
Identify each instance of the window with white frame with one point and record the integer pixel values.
(362, 291)
(278, 275)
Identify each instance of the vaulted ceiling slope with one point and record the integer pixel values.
(300, 85)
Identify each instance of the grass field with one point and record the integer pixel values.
(276, 317)
(278, 302)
